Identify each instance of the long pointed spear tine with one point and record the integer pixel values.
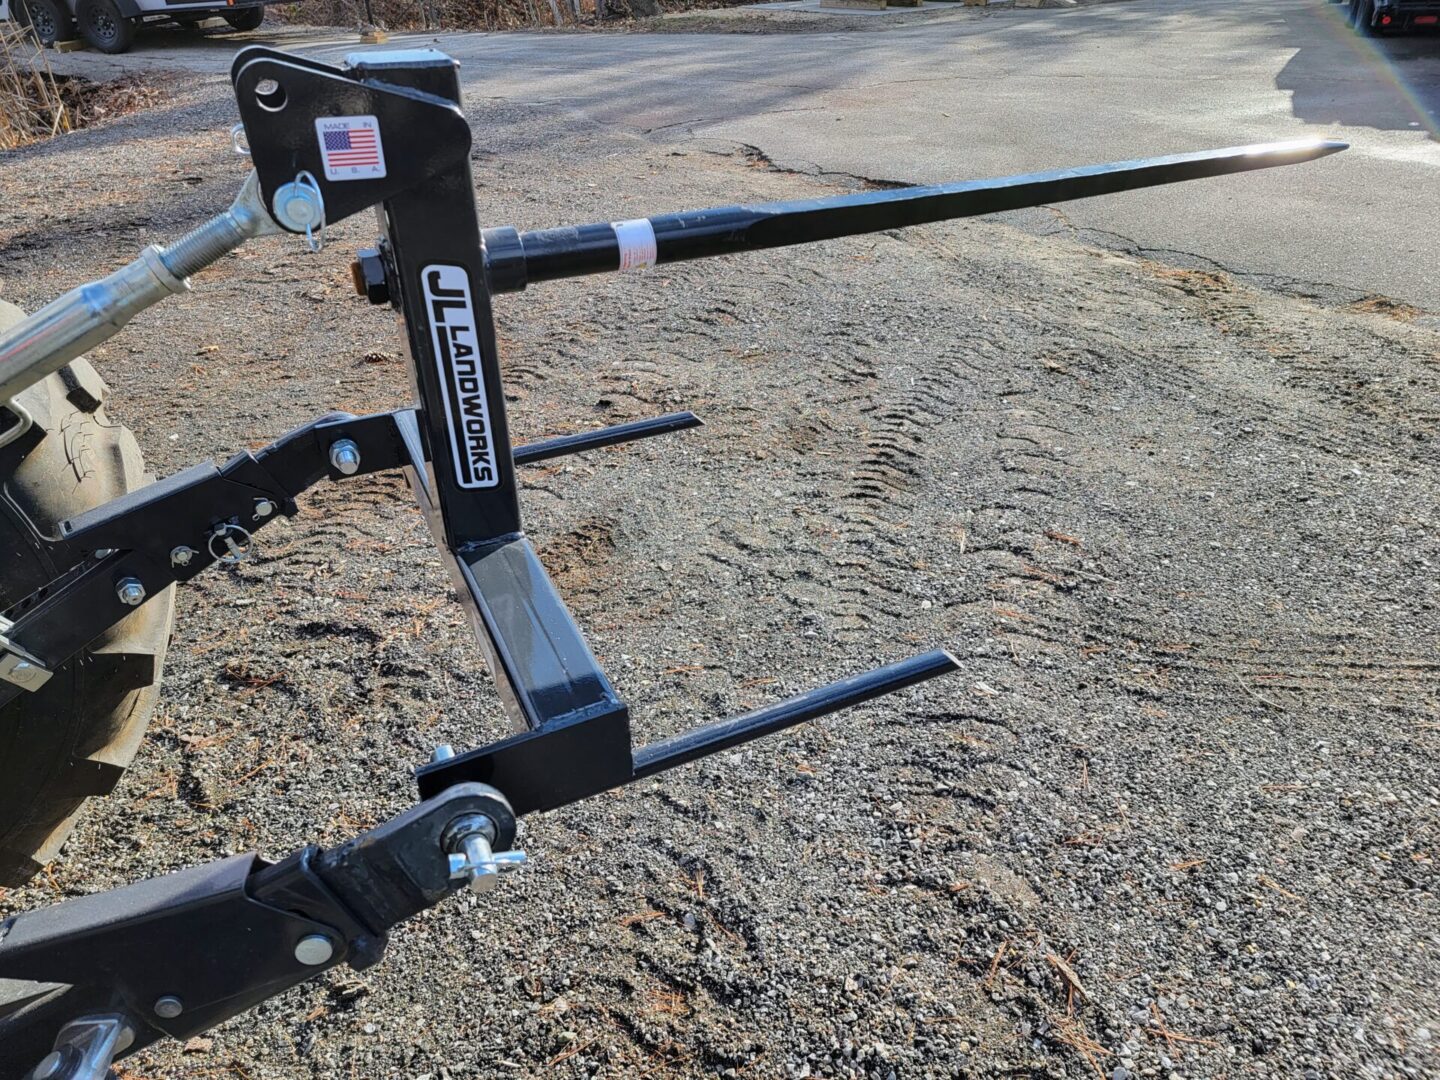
(515, 259)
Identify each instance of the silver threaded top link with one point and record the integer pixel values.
(203, 246)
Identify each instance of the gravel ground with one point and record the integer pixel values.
(1176, 817)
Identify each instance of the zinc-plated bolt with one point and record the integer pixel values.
(345, 457)
(314, 950)
(130, 591)
(181, 556)
(169, 1007)
(443, 752)
(49, 1066)
(263, 508)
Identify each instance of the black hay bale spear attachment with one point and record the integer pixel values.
(123, 968)
(515, 259)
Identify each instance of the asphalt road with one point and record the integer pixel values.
(978, 94)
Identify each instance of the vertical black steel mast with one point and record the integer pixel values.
(545, 672)
(434, 237)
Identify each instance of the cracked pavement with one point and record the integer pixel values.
(974, 94)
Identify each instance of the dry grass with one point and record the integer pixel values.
(93, 103)
(482, 14)
(1384, 305)
(437, 14)
(31, 105)
(36, 104)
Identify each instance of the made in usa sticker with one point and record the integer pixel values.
(350, 147)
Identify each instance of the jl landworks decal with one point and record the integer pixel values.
(457, 354)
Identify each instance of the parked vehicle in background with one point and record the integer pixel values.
(1375, 17)
(110, 25)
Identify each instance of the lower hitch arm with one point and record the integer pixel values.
(93, 979)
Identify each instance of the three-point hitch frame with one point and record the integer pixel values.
(111, 973)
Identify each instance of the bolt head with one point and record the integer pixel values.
(345, 457)
(23, 673)
(263, 508)
(182, 555)
(130, 591)
(50, 1065)
(314, 950)
(443, 752)
(169, 1007)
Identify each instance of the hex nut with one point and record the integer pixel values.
(368, 270)
(345, 457)
(130, 591)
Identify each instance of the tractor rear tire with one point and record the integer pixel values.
(73, 737)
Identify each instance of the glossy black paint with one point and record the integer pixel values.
(515, 259)
(576, 761)
(723, 734)
(220, 937)
(424, 132)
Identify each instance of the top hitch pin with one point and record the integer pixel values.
(300, 206)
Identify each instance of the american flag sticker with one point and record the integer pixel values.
(350, 147)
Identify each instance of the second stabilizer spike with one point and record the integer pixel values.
(546, 770)
(514, 259)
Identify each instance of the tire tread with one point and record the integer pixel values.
(74, 738)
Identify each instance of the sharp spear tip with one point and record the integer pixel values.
(1293, 150)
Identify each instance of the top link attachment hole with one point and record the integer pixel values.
(270, 95)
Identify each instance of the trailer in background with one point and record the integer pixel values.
(110, 25)
(1375, 17)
